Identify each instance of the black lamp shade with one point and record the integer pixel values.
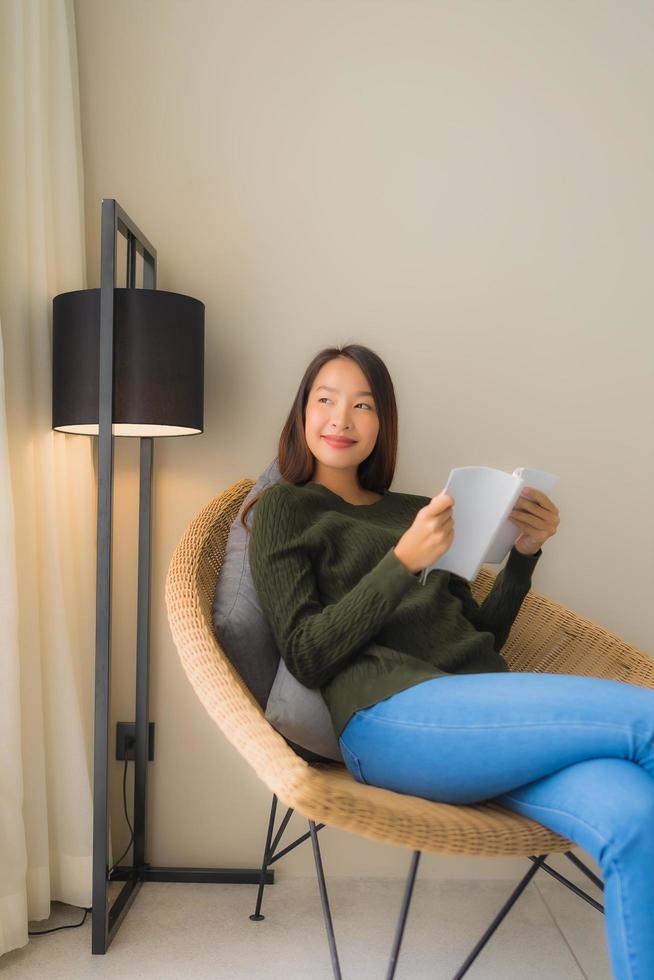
(158, 362)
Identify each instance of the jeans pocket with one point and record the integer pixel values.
(351, 761)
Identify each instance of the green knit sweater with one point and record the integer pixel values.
(347, 615)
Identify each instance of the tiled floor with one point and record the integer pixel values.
(203, 931)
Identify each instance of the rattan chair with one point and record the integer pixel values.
(545, 637)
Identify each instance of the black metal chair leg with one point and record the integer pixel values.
(537, 862)
(586, 870)
(399, 932)
(571, 885)
(512, 899)
(325, 902)
(257, 917)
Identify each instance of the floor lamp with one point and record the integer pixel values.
(127, 362)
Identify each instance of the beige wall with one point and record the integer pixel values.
(464, 186)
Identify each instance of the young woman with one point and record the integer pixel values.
(420, 696)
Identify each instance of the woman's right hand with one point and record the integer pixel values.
(430, 535)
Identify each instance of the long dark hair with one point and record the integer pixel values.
(295, 460)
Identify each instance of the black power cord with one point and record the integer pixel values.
(76, 925)
(129, 742)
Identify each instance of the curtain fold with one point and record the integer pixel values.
(47, 484)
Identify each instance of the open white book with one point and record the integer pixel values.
(483, 500)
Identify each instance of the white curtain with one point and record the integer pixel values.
(47, 484)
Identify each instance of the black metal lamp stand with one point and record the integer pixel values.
(107, 919)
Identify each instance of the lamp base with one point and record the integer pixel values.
(224, 876)
(135, 876)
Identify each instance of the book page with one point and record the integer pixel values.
(507, 533)
(482, 497)
(483, 531)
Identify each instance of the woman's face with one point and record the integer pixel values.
(348, 410)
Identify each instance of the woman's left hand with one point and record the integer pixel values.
(538, 519)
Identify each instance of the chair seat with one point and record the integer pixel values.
(330, 794)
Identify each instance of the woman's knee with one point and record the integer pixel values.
(627, 817)
(605, 805)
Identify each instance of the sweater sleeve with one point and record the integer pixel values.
(499, 609)
(316, 641)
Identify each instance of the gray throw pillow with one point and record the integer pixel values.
(299, 713)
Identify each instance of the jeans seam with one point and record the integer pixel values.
(526, 724)
(353, 755)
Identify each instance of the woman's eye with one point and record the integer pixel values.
(325, 399)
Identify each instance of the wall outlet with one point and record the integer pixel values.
(126, 740)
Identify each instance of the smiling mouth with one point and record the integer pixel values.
(340, 442)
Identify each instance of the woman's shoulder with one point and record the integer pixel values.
(274, 511)
(274, 495)
(282, 495)
(281, 490)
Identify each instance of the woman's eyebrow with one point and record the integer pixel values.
(356, 393)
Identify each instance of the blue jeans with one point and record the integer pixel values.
(574, 753)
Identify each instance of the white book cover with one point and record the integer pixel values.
(483, 500)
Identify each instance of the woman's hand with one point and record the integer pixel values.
(430, 535)
(538, 519)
